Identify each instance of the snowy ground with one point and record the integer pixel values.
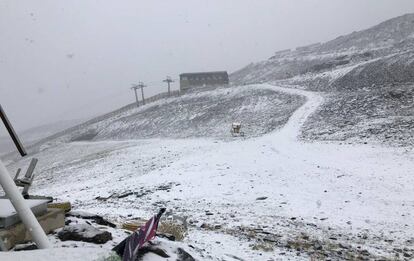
(265, 198)
(61, 254)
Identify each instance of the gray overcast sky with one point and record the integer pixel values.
(62, 59)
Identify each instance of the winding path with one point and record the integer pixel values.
(348, 188)
(292, 128)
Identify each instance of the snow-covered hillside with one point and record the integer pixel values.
(379, 116)
(367, 66)
(200, 114)
(207, 114)
(309, 181)
(265, 198)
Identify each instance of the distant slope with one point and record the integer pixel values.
(361, 71)
(200, 114)
(393, 37)
(384, 35)
(207, 113)
(32, 135)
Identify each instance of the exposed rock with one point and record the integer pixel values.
(98, 219)
(151, 249)
(126, 195)
(184, 255)
(85, 233)
(365, 116)
(166, 236)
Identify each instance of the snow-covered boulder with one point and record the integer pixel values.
(85, 233)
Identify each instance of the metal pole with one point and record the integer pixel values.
(17, 174)
(168, 80)
(25, 213)
(142, 93)
(142, 85)
(136, 95)
(28, 177)
(12, 133)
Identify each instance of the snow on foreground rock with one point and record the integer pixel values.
(257, 199)
(60, 254)
(152, 253)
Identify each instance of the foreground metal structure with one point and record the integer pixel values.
(16, 198)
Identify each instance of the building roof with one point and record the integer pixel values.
(203, 73)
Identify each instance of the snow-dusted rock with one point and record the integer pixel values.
(84, 232)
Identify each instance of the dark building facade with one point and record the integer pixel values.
(201, 79)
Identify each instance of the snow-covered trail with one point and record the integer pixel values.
(350, 188)
(361, 183)
(291, 130)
